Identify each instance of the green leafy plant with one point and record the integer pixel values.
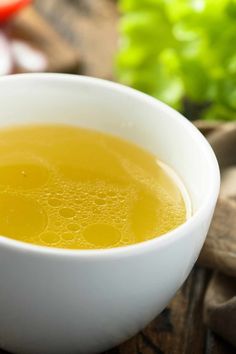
(181, 51)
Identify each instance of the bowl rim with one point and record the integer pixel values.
(158, 242)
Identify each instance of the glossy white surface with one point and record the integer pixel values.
(55, 301)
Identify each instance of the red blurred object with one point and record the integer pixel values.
(10, 7)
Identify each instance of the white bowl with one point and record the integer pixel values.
(56, 301)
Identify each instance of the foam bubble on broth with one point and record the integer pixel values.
(68, 187)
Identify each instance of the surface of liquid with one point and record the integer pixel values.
(68, 187)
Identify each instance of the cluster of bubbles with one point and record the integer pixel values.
(77, 213)
(64, 213)
(52, 205)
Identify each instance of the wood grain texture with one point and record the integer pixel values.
(91, 27)
(178, 329)
(31, 28)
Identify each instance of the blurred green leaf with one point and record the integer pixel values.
(181, 49)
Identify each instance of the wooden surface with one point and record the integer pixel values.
(90, 26)
(29, 26)
(179, 328)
